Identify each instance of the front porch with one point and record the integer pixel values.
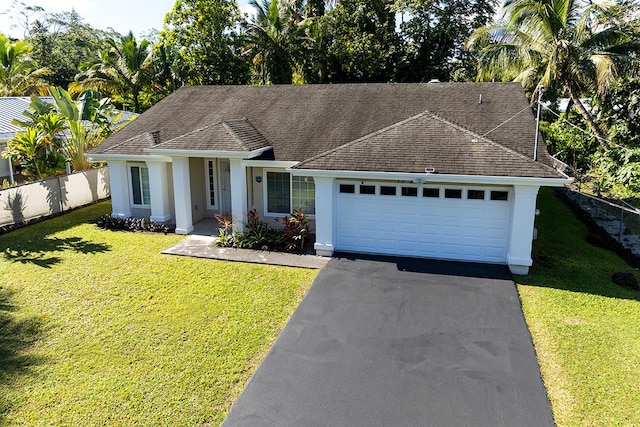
(206, 227)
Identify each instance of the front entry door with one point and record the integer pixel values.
(225, 185)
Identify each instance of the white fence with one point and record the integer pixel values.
(53, 195)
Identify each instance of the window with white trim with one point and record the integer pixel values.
(210, 166)
(140, 192)
(286, 193)
(303, 194)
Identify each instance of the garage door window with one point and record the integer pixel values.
(500, 195)
(452, 193)
(409, 191)
(347, 188)
(386, 190)
(367, 189)
(430, 192)
(475, 194)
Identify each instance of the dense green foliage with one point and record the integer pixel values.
(556, 42)
(62, 42)
(124, 68)
(19, 73)
(202, 43)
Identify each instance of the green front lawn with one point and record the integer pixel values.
(586, 329)
(98, 328)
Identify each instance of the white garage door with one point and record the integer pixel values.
(446, 222)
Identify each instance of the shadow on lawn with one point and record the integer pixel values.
(563, 259)
(38, 251)
(573, 280)
(16, 336)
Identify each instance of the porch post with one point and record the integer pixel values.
(182, 195)
(159, 186)
(521, 229)
(325, 201)
(119, 187)
(238, 177)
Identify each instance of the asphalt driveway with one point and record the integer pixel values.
(382, 341)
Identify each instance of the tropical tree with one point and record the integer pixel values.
(555, 42)
(63, 41)
(62, 131)
(273, 36)
(19, 74)
(202, 42)
(363, 45)
(124, 69)
(37, 156)
(434, 33)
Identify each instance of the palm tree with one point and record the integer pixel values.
(19, 74)
(125, 68)
(273, 34)
(547, 42)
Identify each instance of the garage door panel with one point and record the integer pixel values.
(474, 230)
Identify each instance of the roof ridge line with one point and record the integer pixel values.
(234, 135)
(188, 133)
(355, 141)
(490, 141)
(143, 134)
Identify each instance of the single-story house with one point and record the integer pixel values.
(438, 170)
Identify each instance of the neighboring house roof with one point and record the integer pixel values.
(228, 135)
(12, 107)
(301, 123)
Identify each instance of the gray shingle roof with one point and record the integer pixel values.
(12, 107)
(228, 135)
(300, 122)
(426, 140)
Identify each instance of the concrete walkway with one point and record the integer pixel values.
(400, 342)
(202, 247)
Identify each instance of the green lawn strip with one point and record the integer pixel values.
(99, 328)
(585, 328)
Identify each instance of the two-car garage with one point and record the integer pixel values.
(437, 221)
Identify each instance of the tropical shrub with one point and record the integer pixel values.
(295, 231)
(258, 235)
(108, 222)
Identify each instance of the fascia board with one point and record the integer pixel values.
(269, 163)
(436, 177)
(208, 153)
(138, 158)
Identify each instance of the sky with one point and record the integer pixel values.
(122, 15)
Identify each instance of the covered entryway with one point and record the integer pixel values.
(437, 221)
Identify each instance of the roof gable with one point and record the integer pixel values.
(427, 141)
(227, 135)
